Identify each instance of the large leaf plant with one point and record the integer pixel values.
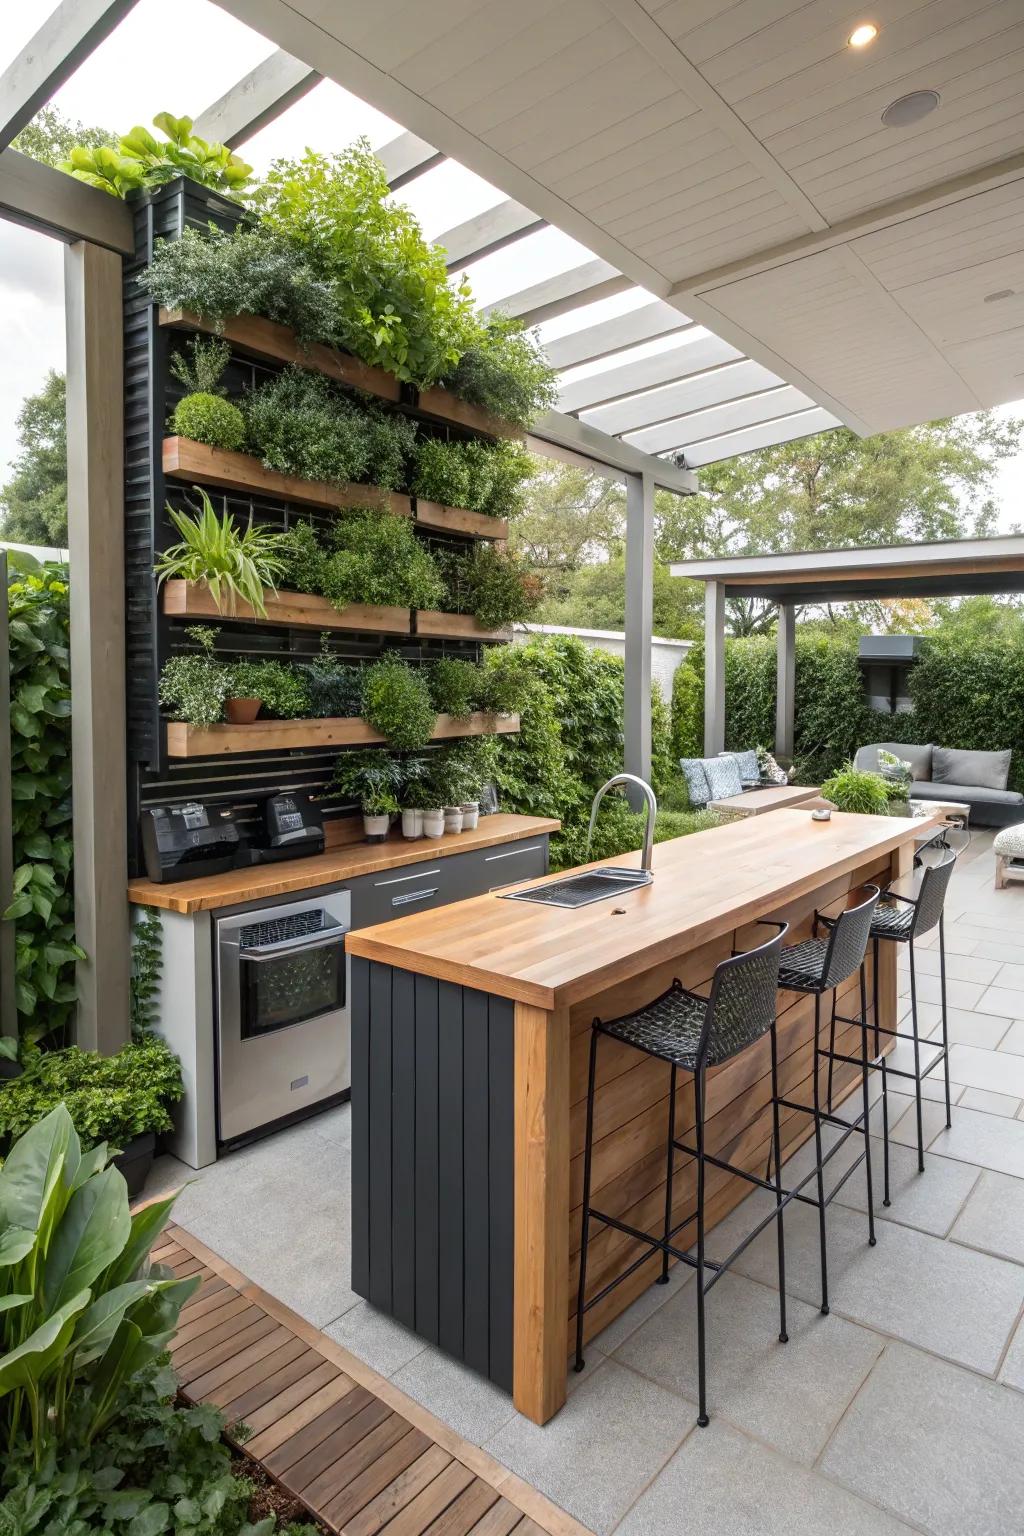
(141, 160)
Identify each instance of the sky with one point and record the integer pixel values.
(113, 88)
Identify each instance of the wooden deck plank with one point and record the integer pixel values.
(416, 1517)
(298, 1417)
(289, 1397)
(224, 1331)
(323, 1441)
(209, 1295)
(336, 1478)
(258, 1349)
(382, 1490)
(460, 1518)
(265, 1381)
(500, 1520)
(192, 1328)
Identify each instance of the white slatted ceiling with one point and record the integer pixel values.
(697, 352)
(749, 411)
(691, 394)
(733, 443)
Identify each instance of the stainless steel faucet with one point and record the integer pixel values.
(652, 812)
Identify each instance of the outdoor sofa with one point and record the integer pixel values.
(977, 779)
(718, 778)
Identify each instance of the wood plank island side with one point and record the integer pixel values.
(774, 797)
(185, 459)
(284, 735)
(764, 867)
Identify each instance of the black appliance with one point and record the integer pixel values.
(292, 828)
(183, 842)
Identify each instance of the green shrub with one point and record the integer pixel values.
(231, 564)
(493, 583)
(304, 560)
(853, 790)
(503, 685)
(147, 966)
(968, 692)
(334, 688)
(194, 684)
(200, 365)
(481, 477)
(300, 425)
(442, 472)
(396, 702)
(42, 908)
(392, 441)
(371, 777)
(209, 419)
(509, 467)
(687, 708)
(280, 687)
(455, 687)
(504, 370)
(378, 559)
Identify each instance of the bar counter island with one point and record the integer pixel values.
(471, 1031)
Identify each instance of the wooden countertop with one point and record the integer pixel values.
(343, 863)
(704, 885)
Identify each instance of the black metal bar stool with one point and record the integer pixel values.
(693, 1033)
(901, 919)
(817, 966)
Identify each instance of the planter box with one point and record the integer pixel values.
(136, 1160)
(184, 459)
(444, 406)
(295, 610)
(289, 735)
(457, 626)
(478, 525)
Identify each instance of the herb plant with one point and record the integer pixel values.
(494, 584)
(194, 684)
(853, 790)
(147, 966)
(396, 702)
(304, 559)
(141, 161)
(370, 777)
(455, 686)
(333, 687)
(300, 424)
(377, 558)
(235, 565)
(110, 1098)
(442, 472)
(503, 369)
(481, 477)
(209, 419)
(280, 688)
(201, 364)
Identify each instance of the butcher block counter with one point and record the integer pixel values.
(470, 1034)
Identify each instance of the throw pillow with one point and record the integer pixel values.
(746, 762)
(723, 777)
(982, 770)
(696, 780)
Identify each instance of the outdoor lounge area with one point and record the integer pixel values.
(460, 1074)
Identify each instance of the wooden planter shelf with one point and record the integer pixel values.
(191, 461)
(479, 525)
(442, 405)
(287, 735)
(295, 610)
(456, 626)
(279, 344)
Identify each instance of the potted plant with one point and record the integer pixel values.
(447, 778)
(853, 790)
(372, 778)
(234, 565)
(194, 684)
(898, 778)
(415, 796)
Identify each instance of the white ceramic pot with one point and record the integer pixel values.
(470, 815)
(376, 828)
(433, 823)
(412, 824)
(453, 818)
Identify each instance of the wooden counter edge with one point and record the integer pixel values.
(347, 863)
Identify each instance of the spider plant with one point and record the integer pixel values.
(233, 564)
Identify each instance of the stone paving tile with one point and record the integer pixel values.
(959, 967)
(1012, 953)
(991, 1103)
(1011, 975)
(998, 1071)
(993, 1218)
(720, 1483)
(375, 1338)
(473, 1406)
(961, 994)
(1013, 1040)
(990, 1141)
(929, 1201)
(600, 1451)
(647, 1303)
(936, 1444)
(1002, 1000)
(1012, 1373)
(933, 1120)
(901, 1287)
(963, 1025)
(750, 1372)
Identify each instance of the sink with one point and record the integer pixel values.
(580, 890)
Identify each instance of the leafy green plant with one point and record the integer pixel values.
(194, 684)
(300, 424)
(504, 370)
(234, 565)
(209, 419)
(304, 559)
(455, 686)
(442, 472)
(396, 702)
(503, 688)
(509, 466)
(466, 766)
(109, 1098)
(415, 792)
(391, 296)
(280, 688)
(334, 688)
(201, 364)
(372, 778)
(484, 477)
(493, 583)
(82, 1312)
(42, 908)
(377, 558)
(853, 790)
(141, 161)
(147, 967)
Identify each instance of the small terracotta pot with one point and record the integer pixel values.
(242, 711)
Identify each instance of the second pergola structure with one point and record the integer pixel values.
(949, 568)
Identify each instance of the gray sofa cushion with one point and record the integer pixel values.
(723, 776)
(970, 794)
(746, 762)
(919, 758)
(986, 770)
(696, 780)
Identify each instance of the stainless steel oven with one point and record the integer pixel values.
(282, 1011)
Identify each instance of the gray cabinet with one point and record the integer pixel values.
(436, 882)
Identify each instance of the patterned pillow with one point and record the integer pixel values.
(696, 780)
(723, 776)
(746, 762)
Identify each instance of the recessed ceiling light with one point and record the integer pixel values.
(910, 109)
(862, 35)
(1000, 293)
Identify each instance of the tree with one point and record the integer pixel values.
(50, 137)
(838, 491)
(595, 598)
(574, 518)
(34, 502)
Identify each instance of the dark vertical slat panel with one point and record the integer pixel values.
(360, 1017)
(501, 1170)
(403, 1147)
(427, 1172)
(476, 1347)
(380, 1135)
(449, 1152)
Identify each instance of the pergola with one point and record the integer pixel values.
(947, 568)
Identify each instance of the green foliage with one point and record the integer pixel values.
(140, 161)
(209, 419)
(393, 304)
(200, 366)
(233, 565)
(280, 688)
(147, 967)
(396, 702)
(194, 684)
(687, 707)
(502, 686)
(43, 904)
(300, 424)
(109, 1098)
(968, 692)
(594, 597)
(50, 137)
(81, 1311)
(482, 477)
(493, 584)
(850, 789)
(370, 777)
(455, 686)
(503, 369)
(621, 830)
(34, 502)
(304, 560)
(378, 559)
(334, 688)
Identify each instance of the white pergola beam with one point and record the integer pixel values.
(490, 231)
(639, 623)
(407, 157)
(618, 382)
(39, 197)
(564, 291)
(750, 411)
(785, 681)
(51, 56)
(690, 394)
(257, 99)
(586, 442)
(712, 450)
(615, 335)
(714, 668)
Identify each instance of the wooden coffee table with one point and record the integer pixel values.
(774, 797)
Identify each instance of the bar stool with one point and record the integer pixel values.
(816, 966)
(693, 1033)
(901, 919)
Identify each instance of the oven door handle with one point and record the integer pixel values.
(297, 946)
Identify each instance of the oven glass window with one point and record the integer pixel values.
(287, 988)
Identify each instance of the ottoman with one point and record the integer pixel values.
(1009, 851)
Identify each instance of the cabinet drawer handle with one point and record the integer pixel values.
(512, 853)
(420, 874)
(408, 896)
